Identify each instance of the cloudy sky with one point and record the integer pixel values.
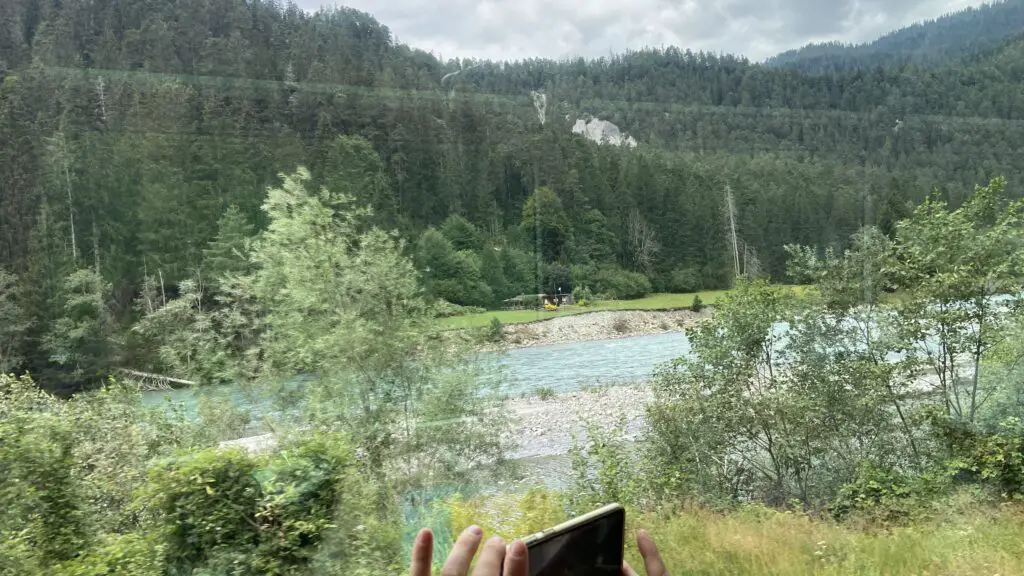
(512, 29)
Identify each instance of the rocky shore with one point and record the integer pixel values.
(599, 326)
(543, 427)
(546, 427)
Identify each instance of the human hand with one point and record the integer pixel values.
(492, 558)
(652, 558)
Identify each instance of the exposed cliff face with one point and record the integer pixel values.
(603, 132)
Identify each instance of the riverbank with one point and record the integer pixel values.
(660, 301)
(543, 427)
(546, 426)
(601, 325)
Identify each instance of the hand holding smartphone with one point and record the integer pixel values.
(585, 546)
(590, 545)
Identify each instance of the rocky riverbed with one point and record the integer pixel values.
(599, 326)
(547, 426)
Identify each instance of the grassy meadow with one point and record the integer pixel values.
(966, 538)
(652, 302)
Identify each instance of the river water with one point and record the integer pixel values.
(560, 367)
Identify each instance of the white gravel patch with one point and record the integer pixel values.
(547, 427)
(599, 326)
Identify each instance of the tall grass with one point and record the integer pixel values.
(972, 538)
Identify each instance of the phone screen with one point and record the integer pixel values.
(592, 549)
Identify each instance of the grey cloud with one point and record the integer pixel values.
(515, 29)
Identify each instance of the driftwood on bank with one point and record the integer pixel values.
(150, 381)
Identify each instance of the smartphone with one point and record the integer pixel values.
(590, 545)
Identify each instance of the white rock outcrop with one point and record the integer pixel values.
(603, 132)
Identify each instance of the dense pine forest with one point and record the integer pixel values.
(139, 139)
(969, 31)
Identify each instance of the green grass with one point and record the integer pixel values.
(652, 302)
(974, 538)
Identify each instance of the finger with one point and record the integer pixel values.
(649, 551)
(491, 558)
(627, 570)
(422, 553)
(517, 560)
(462, 553)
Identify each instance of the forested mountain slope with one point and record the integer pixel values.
(932, 42)
(129, 129)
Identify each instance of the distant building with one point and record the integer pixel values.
(532, 301)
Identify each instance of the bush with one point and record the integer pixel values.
(207, 504)
(614, 282)
(445, 309)
(583, 296)
(604, 470)
(994, 459)
(683, 280)
(697, 305)
(884, 496)
(495, 330)
(545, 393)
(224, 512)
(532, 301)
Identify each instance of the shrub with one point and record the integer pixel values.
(124, 555)
(445, 309)
(684, 280)
(224, 512)
(206, 503)
(697, 305)
(884, 496)
(583, 296)
(495, 330)
(620, 325)
(545, 393)
(614, 282)
(532, 301)
(605, 469)
(996, 460)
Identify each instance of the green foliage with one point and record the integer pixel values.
(885, 496)
(544, 393)
(545, 224)
(207, 503)
(353, 171)
(43, 501)
(604, 469)
(80, 340)
(556, 278)
(345, 306)
(684, 280)
(210, 344)
(616, 283)
(951, 263)
(461, 233)
(128, 554)
(583, 296)
(593, 240)
(697, 304)
(13, 324)
(445, 309)
(451, 275)
(71, 469)
(994, 458)
(228, 253)
(495, 330)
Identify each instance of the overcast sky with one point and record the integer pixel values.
(513, 29)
